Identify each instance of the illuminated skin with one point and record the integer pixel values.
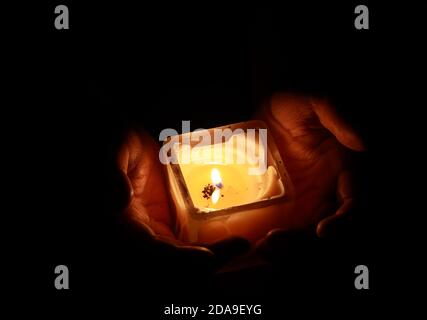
(314, 143)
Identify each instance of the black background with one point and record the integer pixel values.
(121, 66)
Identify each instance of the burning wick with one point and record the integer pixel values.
(217, 182)
(213, 190)
(216, 178)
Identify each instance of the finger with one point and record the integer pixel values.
(167, 253)
(228, 249)
(139, 159)
(281, 243)
(331, 120)
(337, 223)
(170, 244)
(198, 259)
(223, 251)
(137, 231)
(282, 239)
(146, 217)
(295, 124)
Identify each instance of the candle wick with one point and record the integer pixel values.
(207, 191)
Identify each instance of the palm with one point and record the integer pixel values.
(307, 134)
(149, 204)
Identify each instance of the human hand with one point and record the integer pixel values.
(147, 208)
(315, 144)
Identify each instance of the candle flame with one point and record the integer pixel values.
(215, 196)
(217, 182)
(216, 177)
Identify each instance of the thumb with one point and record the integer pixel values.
(340, 222)
(332, 121)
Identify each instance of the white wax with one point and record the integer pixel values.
(239, 186)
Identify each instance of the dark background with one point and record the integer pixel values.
(121, 66)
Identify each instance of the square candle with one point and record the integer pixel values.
(227, 181)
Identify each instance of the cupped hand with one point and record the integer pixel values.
(316, 145)
(148, 211)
